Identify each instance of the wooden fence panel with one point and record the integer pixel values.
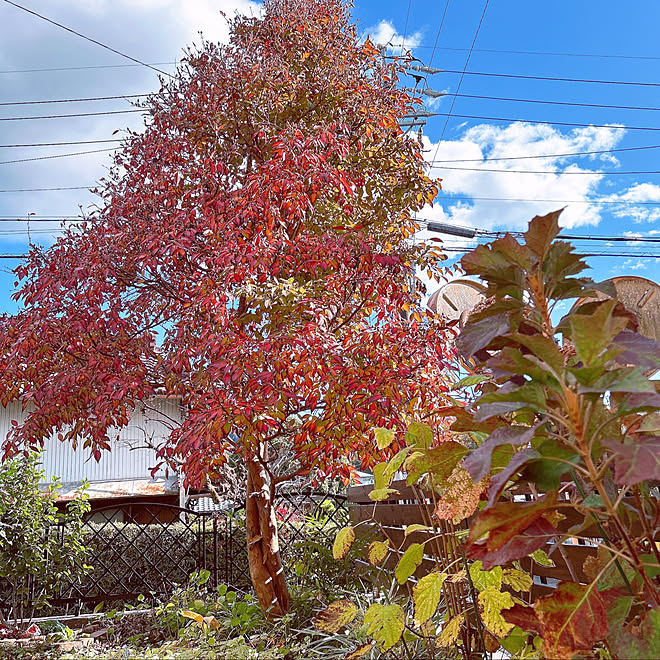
(398, 511)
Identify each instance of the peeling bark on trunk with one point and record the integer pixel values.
(266, 568)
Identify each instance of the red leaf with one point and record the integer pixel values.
(574, 619)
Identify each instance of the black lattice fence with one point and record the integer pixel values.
(154, 552)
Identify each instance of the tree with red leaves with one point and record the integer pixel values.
(261, 226)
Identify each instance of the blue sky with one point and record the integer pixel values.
(564, 39)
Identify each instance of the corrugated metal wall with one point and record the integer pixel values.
(128, 458)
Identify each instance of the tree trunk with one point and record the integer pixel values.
(266, 568)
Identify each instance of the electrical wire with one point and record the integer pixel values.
(559, 155)
(22, 190)
(80, 114)
(516, 120)
(80, 100)
(487, 233)
(563, 103)
(94, 41)
(82, 68)
(405, 29)
(558, 173)
(553, 78)
(78, 153)
(437, 36)
(552, 201)
(467, 62)
(553, 54)
(628, 255)
(57, 144)
(466, 96)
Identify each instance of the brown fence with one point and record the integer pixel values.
(410, 506)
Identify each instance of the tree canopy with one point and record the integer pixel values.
(251, 253)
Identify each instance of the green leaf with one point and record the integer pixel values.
(380, 494)
(546, 472)
(478, 463)
(382, 479)
(625, 379)
(439, 461)
(541, 558)
(395, 465)
(491, 602)
(385, 623)
(409, 562)
(411, 529)
(515, 641)
(377, 551)
(450, 631)
(336, 616)
(419, 435)
(384, 437)
(469, 381)
(483, 579)
(592, 332)
(426, 596)
(343, 542)
(517, 580)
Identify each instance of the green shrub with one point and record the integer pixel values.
(40, 547)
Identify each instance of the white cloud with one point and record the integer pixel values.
(385, 34)
(632, 265)
(549, 178)
(634, 199)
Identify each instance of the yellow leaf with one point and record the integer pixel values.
(343, 542)
(385, 623)
(336, 616)
(384, 437)
(411, 529)
(450, 631)
(359, 652)
(517, 580)
(193, 615)
(426, 595)
(491, 602)
(377, 552)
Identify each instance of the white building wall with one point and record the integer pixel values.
(129, 457)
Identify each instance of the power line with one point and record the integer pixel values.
(564, 103)
(627, 255)
(559, 155)
(82, 68)
(437, 37)
(80, 100)
(552, 201)
(94, 41)
(8, 218)
(558, 173)
(467, 96)
(552, 78)
(467, 62)
(476, 232)
(57, 144)
(80, 114)
(77, 153)
(405, 29)
(22, 190)
(552, 123)
(554, 54)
